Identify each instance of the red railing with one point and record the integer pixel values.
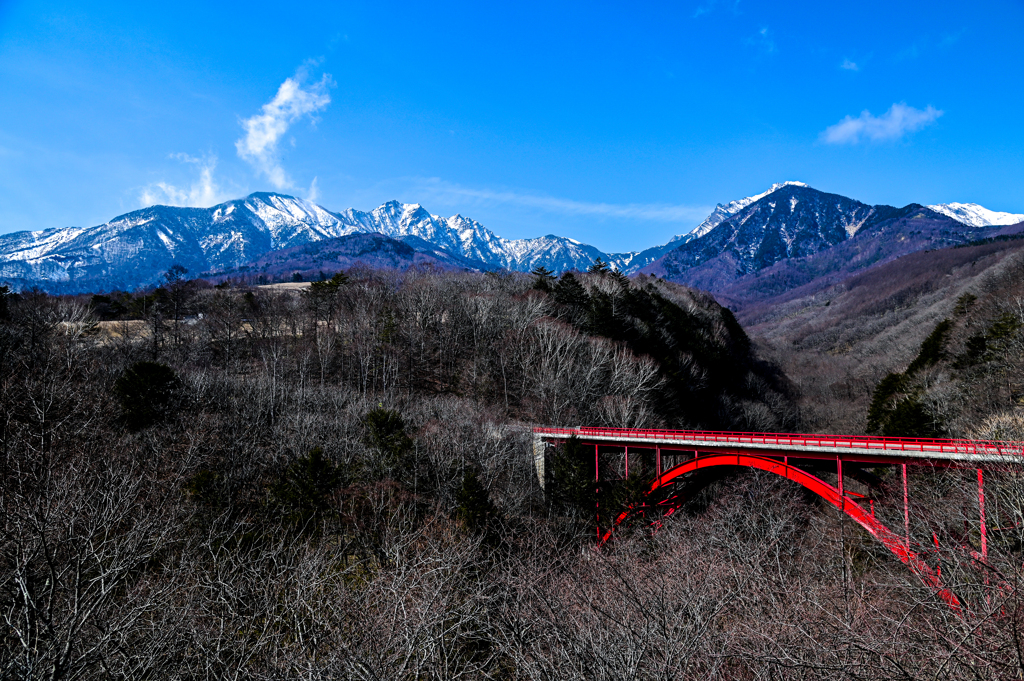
(860, 442)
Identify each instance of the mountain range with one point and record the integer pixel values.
(791, 224)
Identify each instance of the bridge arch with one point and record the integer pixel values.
(895, 544)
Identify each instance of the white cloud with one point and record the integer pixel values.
(439, 191)
(314, 191)
(203, 193)
(899, 120)
(849, 65)
(264, 130)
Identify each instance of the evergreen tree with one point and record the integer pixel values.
(148, 392)
(569, 291)
(321, 296)
(5, 311)
(304, 489)
(543, 280)
(896, 409)
(932, 349)
(385, 432)
(473, 503)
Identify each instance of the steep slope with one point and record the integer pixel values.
(135, 249)
(798, 234)
(789, 221)
(469, 239)
(630, 263)
(721, 213)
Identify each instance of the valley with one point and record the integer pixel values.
(342, 428)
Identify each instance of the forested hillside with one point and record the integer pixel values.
(337, 482)
(837, 343)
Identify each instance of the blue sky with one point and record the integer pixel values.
(618, 124)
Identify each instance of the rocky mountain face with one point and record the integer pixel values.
(135, 249)
(796, 234)
(785, 233)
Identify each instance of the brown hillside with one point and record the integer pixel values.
(836, 342)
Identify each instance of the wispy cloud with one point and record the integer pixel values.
(950, 39)
(898, 121)
(765, 41)
(294, 100)
(440, 191)
(709, 6)
(204, 192)
(849, 65)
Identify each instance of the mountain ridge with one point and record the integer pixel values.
(798, 236)
(135, 248)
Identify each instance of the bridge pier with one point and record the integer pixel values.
(597, 489)
(906, 508)
(839, 477)
(981, 513)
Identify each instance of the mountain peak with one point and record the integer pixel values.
(721, 213)
(264, 196)
(789, 183)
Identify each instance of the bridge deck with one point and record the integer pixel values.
(849, 447)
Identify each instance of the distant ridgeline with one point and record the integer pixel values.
(745, 250)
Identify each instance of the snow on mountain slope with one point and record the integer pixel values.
(135, 249)
(635, 261)
(797, 234)
(723, 213)
(976, 216)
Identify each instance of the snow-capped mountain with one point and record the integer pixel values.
(135, 249)
(790, 220)
(635, 261)
(977, 216)
(468, 238)
(722, 213)
(813, 233)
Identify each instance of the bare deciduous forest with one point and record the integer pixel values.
(203, 482)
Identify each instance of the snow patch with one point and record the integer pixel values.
(976, 216)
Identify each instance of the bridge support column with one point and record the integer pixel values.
(981, 513)
(839, 475)
(597, 490)
(906, 507)
(627, 462)
(657, 462)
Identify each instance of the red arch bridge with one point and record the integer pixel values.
(670, 457)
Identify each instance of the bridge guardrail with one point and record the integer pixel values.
(837, 442)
